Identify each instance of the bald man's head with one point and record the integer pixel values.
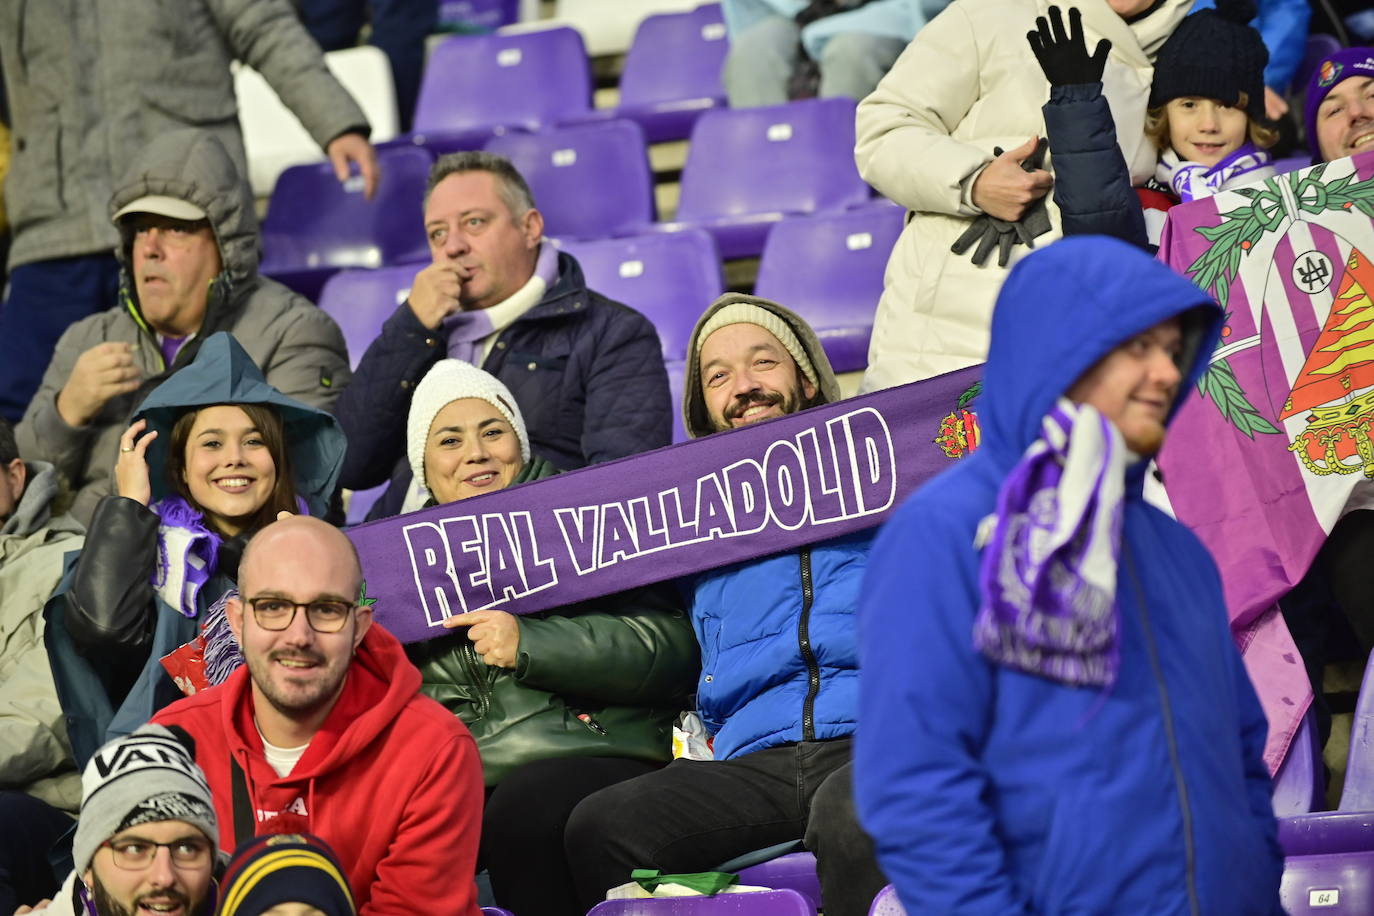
(298, 622)
(299, 540)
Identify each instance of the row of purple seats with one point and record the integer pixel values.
(477, 86)
(762, 903)
(746, 170)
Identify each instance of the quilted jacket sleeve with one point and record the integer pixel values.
(905, 145)
(268, 36)
(1092, 186)
(629, 409)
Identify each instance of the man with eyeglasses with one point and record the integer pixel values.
(324, 731)
(146, 839)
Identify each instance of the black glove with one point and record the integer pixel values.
(1064, 56)
(990, 232)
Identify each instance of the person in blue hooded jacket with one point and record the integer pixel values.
(213, 454)
(778, 686)
(1053, 716)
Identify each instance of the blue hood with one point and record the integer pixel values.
(1105, 292)
(222, 373)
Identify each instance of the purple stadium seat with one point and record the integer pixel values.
(1358, 794)
(677, 383)
(362, 300)
(670, 278)
(886, 903)
(672, 72)
(495, 911)
(1327, 833)
(1299, 785)
(316, 226)
(795, 871)
(748, 168)
(1292, 163)
(763, 903)
(829, 269)
(590, 181)
(1328, 884)
(476, 86)
(478, 15)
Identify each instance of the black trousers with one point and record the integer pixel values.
(523, 824)
(28, 830)
(693, 815)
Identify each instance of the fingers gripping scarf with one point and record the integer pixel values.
(1048, 571)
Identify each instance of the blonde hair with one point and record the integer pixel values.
(1157, 125)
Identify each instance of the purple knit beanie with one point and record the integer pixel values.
(1333, 69)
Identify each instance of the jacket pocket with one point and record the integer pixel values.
(34, 187)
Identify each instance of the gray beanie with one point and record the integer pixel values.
(147, 776)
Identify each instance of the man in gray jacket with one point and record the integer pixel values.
(40, 788)
(89, 83)
(189, 252)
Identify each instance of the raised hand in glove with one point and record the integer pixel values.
(990, 232)
(1064, 55)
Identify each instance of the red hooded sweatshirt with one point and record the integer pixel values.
(392, 780)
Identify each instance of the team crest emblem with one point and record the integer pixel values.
(959, 432)
(1329, 71)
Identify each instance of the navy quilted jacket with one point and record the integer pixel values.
(587, 371)
(1092, 185)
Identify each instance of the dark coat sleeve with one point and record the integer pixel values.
(1092, 185)
(629, 408)
(111, 607)
(373, 408)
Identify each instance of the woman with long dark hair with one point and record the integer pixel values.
(212, 455)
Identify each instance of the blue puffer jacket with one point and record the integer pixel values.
(779, 660)
(587, 372)
(991, 791)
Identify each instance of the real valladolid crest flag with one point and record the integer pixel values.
(1280, 444)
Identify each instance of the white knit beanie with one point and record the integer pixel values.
(146, 776)
(748, 313)
(447, 381)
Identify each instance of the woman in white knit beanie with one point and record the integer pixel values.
(465, 436)
(591, 689)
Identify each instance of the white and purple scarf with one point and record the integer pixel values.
(1050, 553)
(1193, 180)
(186, 553)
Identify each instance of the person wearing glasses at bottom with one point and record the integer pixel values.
(147, 838)
(324, 730)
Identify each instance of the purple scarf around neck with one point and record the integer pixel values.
(187, 550)
(1048, 571)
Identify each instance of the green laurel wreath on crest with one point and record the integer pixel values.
(1234, 237)
(363, 600)
(973, 391)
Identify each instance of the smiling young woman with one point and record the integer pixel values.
(213, 455)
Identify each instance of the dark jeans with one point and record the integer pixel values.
(523, 825)
(399, 29)
(693, 815)
(44, 298)
(28, 829)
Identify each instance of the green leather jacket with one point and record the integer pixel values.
(602, 678)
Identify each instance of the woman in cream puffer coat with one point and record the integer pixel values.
(967, 83)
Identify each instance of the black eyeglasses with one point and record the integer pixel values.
(135, 854)
(273, 613)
